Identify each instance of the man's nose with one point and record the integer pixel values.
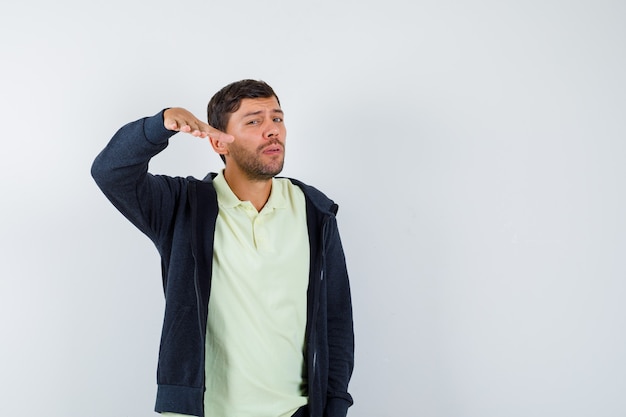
(272, 132)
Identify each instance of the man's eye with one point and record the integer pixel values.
(253, 122)
(278, 119)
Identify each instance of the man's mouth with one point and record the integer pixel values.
(273, 149)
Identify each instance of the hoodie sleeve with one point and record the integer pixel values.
(340, 326)
(121, 172)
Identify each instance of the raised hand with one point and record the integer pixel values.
(181, 120)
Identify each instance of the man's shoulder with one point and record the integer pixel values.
(320, 200)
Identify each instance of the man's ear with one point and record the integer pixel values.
(220, 147)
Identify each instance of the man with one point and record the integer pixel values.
(258, 316)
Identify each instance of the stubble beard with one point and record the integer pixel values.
(251, 164)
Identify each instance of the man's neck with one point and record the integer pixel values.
(255, 191)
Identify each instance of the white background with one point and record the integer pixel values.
(476, 150)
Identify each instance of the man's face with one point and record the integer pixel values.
(259, 130)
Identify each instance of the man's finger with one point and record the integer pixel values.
(220, 136)
(171, 124)
(203, 127)
(184, 127)
(194, 127)
(214, 133)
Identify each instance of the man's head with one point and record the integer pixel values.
(228, 99)
(250, 111)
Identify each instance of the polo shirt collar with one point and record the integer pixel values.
(227, 199)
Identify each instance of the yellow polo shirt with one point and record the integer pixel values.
(257, 309)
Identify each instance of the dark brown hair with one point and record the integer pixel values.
(228, 99)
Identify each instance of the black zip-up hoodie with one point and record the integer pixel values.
(178, 215)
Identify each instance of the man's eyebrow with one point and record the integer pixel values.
(256, 113)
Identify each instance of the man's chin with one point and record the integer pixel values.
(264, 175)
(275, 170)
